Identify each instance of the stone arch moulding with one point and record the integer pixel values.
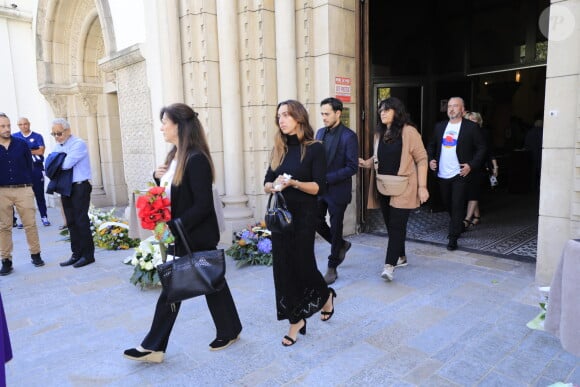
(55, 24)
(72, 35)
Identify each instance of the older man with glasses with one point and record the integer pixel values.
(16, 191)
(76, 198)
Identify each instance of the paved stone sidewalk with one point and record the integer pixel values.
(448, 319)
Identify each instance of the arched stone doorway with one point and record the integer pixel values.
(72, 35)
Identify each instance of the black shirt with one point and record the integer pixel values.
(389, 155)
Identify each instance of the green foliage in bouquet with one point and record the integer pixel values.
(145, 260)
(252, 246)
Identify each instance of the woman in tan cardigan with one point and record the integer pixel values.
(399, 151)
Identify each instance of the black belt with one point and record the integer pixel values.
(16, 186)
(81, 182)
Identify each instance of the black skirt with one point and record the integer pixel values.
(300, 288)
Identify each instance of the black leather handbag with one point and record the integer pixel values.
(195, 274)
(278, 219)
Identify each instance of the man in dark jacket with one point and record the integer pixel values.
(342, 163)
(16, 191)
(457, 147)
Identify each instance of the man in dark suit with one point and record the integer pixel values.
(341, 147)
(456, 149)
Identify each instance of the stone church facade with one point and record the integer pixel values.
(233, 60)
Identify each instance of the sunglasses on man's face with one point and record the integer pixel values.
(57, 134)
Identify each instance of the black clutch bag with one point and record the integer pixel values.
(195, 274)
(278, 219)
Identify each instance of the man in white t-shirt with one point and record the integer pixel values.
(456, 148)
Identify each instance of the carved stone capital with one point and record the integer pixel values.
(58, 103)
(89, 103)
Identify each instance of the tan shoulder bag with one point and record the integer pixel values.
(388, 185)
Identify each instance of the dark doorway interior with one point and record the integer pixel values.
(491, 53)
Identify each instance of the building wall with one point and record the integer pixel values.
(559, 218)
(320, 55)
(20, 95)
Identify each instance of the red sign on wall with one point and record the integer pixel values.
(342, 88)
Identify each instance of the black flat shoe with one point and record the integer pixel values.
(325, 316)
(141, 354)
(84, 261)
(218, 344)
(292, 341)
(71, 261)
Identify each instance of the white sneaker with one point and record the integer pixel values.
(388, 272)
(402, 261)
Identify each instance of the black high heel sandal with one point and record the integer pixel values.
(292, 341)
(467, 223)
(327, 315)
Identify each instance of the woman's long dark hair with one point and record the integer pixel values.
(400, 119)
(191, 138)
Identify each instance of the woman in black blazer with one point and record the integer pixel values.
(188, 175)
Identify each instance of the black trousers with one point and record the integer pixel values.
(223, 312)
(454, 196)
(38, 188)
(396, 222)
(76, 212)
(332, 234)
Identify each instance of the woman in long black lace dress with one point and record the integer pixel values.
(300, 288)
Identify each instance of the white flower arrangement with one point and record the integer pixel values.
(145, 260)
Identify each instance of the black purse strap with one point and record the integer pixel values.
(279, 201)
(181, 234)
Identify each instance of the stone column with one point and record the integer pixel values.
(89, 102)
(162, 51)
(285, 14)
(235, 200)
(170, 51)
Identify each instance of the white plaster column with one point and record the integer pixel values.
(285, 15)
(170, 50)
(235, 201)
(162, 51)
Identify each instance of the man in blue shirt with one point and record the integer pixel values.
(16, 191)
(36, 144)
(76, 206)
